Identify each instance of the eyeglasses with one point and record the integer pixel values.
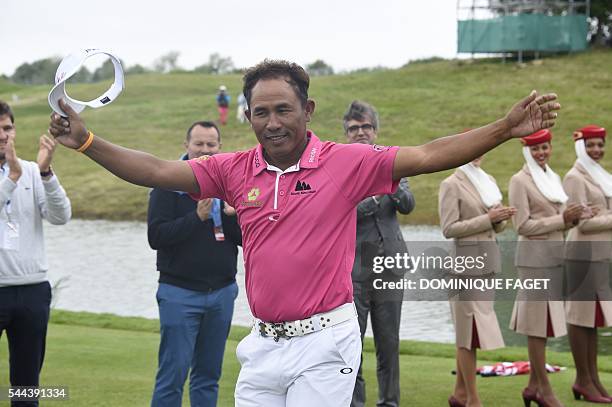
(8, 128)
(367, 128)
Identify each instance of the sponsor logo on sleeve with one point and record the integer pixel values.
(379, 148)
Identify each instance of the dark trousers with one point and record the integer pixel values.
(24, 314)
(385, 315)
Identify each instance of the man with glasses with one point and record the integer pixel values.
(378, 234)
(29, 192)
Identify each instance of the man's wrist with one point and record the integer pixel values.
(47, 172)
(504, 129)
(87, 143)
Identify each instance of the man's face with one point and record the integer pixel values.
(203, 141)
(7, 128)
(360, 131)
(279, 119)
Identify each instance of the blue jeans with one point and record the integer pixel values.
(194, 327)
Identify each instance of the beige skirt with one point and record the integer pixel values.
(541, 318)
(476, 325)
(588, 282)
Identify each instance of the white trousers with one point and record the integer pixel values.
(317, 369)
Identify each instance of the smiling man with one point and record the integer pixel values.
(29, 193)
(196, 245)
(296, 197)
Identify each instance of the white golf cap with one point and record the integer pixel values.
(69, 66)
(222, 87)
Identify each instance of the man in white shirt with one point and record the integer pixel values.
(29, 192)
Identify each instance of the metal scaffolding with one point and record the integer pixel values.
(475, 10)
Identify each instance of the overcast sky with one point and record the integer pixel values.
(346, 34)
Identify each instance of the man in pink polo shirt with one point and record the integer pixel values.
(296, 197)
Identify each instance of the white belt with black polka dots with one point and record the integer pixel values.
(306, 326)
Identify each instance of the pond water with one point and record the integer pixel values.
(108, 267)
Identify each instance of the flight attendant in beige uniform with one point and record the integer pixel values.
(588, 255)
(541, 218)
(471, 213)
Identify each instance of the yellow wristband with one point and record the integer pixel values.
(87, 143)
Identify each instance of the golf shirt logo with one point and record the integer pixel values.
(252, 196)
(379, 149)
(203, 157)
(303, 188)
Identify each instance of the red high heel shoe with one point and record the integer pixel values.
(530, 395)
(454, 402)
(580, 392)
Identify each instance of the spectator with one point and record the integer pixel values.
(196, 245)
(223, 100)
(29, 193)
(588, 254)
(471, 213)
(378, 229)
(242, 107)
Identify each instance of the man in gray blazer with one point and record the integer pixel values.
(378, 234)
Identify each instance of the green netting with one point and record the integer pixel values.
(524, 32)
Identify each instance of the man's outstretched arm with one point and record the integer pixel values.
(133, 166)
(527, 116)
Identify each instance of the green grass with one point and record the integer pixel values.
(107, 360)
(416, 104)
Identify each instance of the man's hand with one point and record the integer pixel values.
(70, 132)
(203, 209)
(501, 213)
(229, 211)
(532, 114)
(46, 148)
(11, 159)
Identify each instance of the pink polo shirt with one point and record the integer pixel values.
(298, 226)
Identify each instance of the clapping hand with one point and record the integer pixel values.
(501, 213)
(203, 209)
(11, 159)
(46, 148)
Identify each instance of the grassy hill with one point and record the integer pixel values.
(416, 104)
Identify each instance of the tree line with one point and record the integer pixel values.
(42, 71)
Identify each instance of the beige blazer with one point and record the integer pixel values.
(581, 188)
(464, 218)
(538, 222)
